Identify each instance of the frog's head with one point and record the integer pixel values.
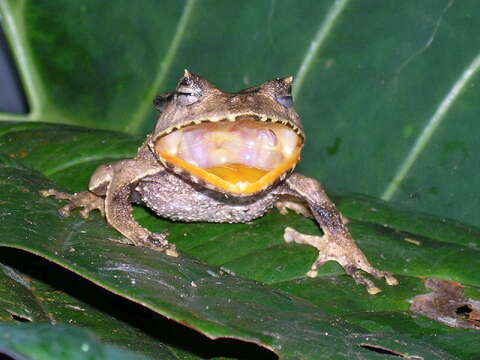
(237, 143)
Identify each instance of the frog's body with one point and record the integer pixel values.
(221, 157)
(171, 197)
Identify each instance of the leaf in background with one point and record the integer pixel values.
(387, 90)
(391, 98)
(68, 157)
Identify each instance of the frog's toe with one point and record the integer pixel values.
(388, 276)
(159, 242)
(56, 194)
(360, 279)
(358, 274)
(86, 200)
(65, 210)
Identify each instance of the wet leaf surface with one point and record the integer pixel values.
(208, 298)
(37, 291)
(45, 342)
(193, 294)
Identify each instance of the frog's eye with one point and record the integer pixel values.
(285, 100)
(188, 92)
(185, 98)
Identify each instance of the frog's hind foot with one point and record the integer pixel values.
(159, 242)
(346, 253)
(85, 199)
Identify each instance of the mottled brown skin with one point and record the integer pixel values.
(177, 195)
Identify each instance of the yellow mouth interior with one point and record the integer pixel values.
(234, 173)
(240, 157)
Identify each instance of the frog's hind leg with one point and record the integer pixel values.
(337, 243)
(349, 257)
(85, 199)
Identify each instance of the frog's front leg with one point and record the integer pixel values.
(110, 191)
(93, 198)
(336, 244)
(118, 206)
(87, 200)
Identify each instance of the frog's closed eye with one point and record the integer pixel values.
(188, 91)
(285, 100)
(184, 97)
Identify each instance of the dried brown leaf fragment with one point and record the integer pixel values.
(447, 304)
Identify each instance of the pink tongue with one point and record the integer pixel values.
(247, 145)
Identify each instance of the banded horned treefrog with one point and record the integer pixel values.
(221, 157)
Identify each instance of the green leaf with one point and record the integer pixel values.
(45, 342)
(381, 87)
(208, 298)
(16, 299)
(180, 288)
(388, 96)
(43, 292)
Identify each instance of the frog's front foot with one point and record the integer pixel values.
(85, 199)
(344, 251)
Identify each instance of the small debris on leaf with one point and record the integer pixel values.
(413, 241)
(447, 304)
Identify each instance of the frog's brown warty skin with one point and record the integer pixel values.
(221, 157)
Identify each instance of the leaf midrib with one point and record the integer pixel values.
(165, 65)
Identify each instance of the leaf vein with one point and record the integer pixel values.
(322, 33)
(430, 128)
(165, 65)
(76, 162)
(429, 41)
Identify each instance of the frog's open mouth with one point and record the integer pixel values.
(241, 157)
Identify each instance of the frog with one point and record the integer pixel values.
(222, 157)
